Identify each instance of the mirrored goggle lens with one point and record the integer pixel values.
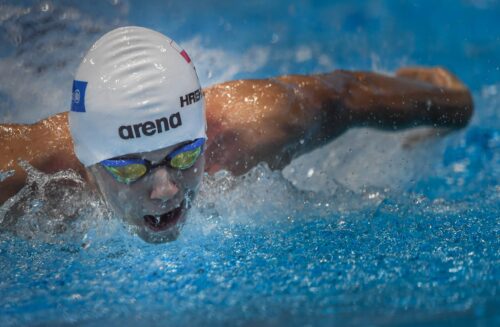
(185, 159)
(127, 173)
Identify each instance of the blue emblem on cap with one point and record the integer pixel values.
(78, 96)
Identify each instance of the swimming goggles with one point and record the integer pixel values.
(129, 170)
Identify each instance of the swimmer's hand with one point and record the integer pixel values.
(413, 97)
(437, 76)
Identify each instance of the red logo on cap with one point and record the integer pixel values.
(185, 55)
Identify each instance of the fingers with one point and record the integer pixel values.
(437, 76)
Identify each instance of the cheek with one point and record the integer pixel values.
(198, 170)
(119, 195)
(191, 178)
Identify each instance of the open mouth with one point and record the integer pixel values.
(165, 221)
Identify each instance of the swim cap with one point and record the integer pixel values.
(135, 91)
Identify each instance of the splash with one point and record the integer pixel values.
(5, 175)
(61, 207)
(263, 197)
(51, 207)
(331, 181)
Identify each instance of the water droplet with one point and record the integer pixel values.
(275, 38)
(45, 7)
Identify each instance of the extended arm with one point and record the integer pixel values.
(275, 120)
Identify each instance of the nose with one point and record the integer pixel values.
(164, 187)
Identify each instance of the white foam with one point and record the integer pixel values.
(52, 207)
(363, 158)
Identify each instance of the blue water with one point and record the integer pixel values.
(361, 232)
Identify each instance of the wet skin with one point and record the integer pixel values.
(249, 121)
(156, 204)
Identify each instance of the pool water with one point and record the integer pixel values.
(364, 231)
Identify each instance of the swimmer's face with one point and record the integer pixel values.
(156, 204)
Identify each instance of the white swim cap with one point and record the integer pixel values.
(135, 91)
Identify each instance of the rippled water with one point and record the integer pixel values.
(364, 231)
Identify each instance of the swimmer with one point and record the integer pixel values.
(143, 132)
